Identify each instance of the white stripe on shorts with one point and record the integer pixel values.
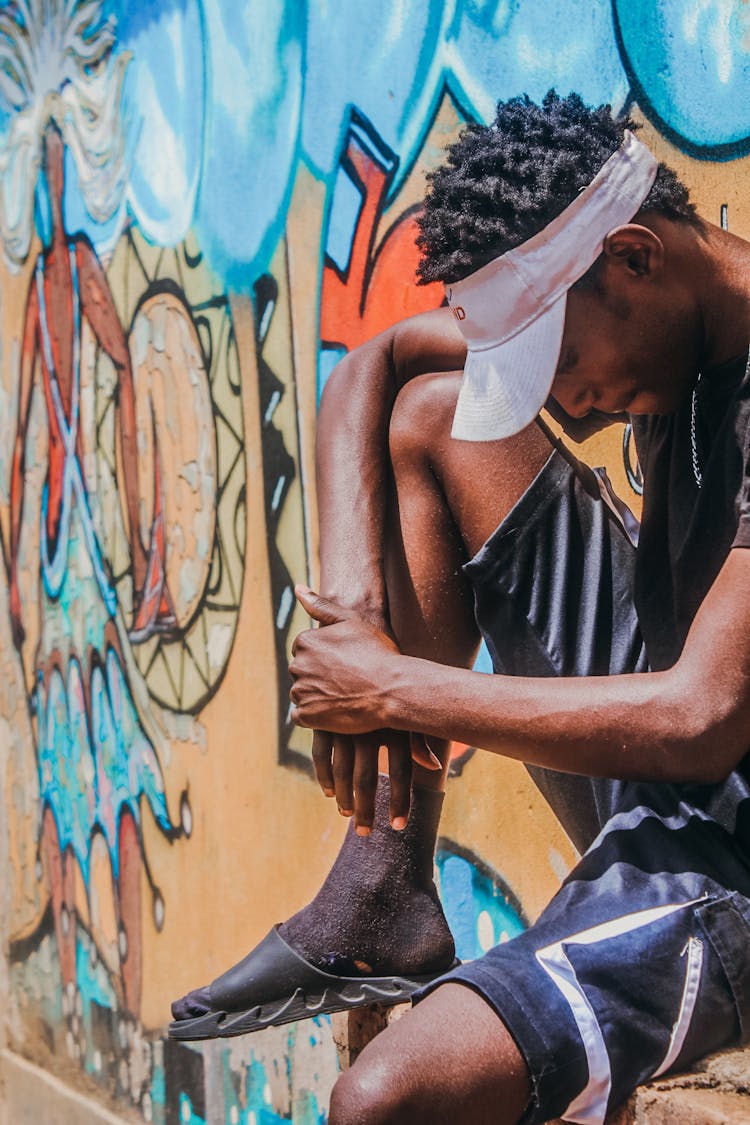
(590, 1107)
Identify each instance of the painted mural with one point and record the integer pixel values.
(203, 206)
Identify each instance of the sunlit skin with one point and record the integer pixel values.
(669, 299)
(637, 340)
(397, 639)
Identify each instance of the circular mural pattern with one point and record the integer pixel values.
(191, 467)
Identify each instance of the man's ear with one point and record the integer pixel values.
(634, 248)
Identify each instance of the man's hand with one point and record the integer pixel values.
(338, 672)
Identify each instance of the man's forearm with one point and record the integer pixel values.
(351, 450)
(641, 727)
(688, 723)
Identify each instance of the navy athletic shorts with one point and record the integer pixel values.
(641, 962)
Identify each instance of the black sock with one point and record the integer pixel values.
(378, 910)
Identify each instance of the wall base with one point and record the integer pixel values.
(29, 1095)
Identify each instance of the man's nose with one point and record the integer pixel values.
(577, 404)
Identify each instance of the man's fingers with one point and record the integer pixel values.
(367, 747)
(422, 754)
(343, 767)
(399, 771)
(321, 609)
(322, 749)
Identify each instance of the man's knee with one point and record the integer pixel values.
(367, 1094)
(423, 413)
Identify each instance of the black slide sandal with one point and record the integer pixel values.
(274, 985)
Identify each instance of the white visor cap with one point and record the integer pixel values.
(512, 311)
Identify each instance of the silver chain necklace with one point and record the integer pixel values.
(697, 471)
(693, 437)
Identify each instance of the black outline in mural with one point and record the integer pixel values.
(217, 352)
(184, 1073)
(730, 150)
(632, 471)
(278, 466)
(360, 130)
(457, 764)
(446, 844)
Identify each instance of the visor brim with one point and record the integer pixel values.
(504, 387)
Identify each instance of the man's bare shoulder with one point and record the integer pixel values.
(430, 341)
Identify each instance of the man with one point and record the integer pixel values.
(575, 265)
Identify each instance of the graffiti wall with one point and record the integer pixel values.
(203, 206)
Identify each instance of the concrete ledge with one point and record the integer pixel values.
(353, 1030)
(716, 1092)
(30, 1095)
(689, 1107)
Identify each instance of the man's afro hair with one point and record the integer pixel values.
(502, 183)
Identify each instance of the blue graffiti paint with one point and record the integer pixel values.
(43, 210)
(91, 766)
(307, 1111)
(483, 662)
(94, 987)
(92, 978)
(253, 1104)
(382, 58)
(327, 360)
(214, 107)
(219, 96)
(393, 62)
(164, 106)
(480, 910)
(145, 14)
(158, 1085)
(258, 1096)
(255, 56)
(525, 48)
(691, 69)
(76, 218)
(346, 206)
(188, 1116)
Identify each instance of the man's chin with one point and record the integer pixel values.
(580, 429)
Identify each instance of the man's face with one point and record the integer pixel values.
(625, 348)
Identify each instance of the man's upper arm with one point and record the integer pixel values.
(431, 341)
